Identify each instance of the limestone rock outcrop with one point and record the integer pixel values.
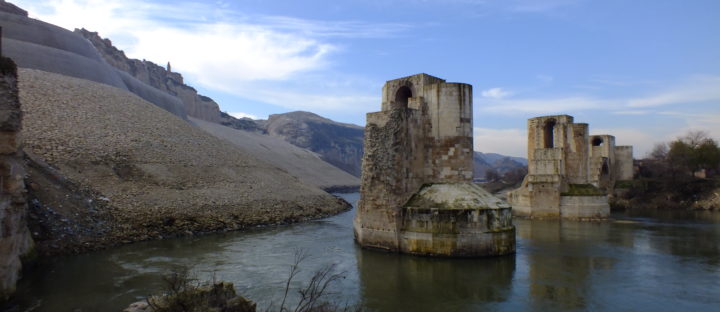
(163, 79)
(416, 189)
(15, 239)
(35, 44)
(338, 143)
(11, 8)
(156, 175)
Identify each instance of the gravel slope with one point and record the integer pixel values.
(299, 162)
(157, 174)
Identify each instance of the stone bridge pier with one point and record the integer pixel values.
(417, 194)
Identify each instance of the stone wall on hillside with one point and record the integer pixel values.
(38, 45)
(11, 8)
(15, 240)
(159, 77)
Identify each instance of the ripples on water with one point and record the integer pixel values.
(646, 261)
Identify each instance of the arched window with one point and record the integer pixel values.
(548, 135)
(401, 97)
(597, 141)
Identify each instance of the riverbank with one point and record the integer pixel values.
(108, 168)
(669, 261)
(664, 194)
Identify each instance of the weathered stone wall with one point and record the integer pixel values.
(624, 163)
(422, 135)
(602, 161)
(584, 207)
(15, 239)
(562, 160)
(159, 77)
(576, 155)
(449, 107)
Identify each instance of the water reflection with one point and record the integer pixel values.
(659, 262)
(391, 282)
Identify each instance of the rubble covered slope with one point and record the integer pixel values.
(155, 173)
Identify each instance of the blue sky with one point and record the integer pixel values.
(644, 71)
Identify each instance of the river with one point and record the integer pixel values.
(644, 261)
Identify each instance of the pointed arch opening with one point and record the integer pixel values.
(402, 96)
(549, 133)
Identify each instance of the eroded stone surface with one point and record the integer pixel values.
(416, 195)
(15, 240)
(570, 172)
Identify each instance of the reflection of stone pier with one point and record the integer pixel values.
(402, 283)
(416, 192)
(570, 173)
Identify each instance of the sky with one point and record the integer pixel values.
(643, 71)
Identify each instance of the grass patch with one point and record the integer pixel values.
(624, 184)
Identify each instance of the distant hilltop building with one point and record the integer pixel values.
(570, 173)
(417, 194)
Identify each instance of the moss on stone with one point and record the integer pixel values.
(624, 184)
(582, 190)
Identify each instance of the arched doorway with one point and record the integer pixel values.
(401, 97)
(549, 131)
(604, 170)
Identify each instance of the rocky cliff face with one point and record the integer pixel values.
(11, 8)
(161, 78)
(15, 240)
(337, 143)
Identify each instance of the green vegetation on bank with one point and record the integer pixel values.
(678, 174)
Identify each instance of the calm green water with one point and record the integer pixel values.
(643, 262)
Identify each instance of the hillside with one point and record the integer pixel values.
(483, 162)
(338, 143)
(156, 174)
(299, 162)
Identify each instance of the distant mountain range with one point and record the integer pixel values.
(341, 144)
(500, 163)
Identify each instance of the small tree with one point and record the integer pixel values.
(492, 175)
(515, 175)
(659, 151)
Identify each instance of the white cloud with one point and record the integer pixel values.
(252, 56)
(511, 142)
(540, 106)
(243, 115)
(292, 99)
(697, 89)
(218, 51)
(641, 141)
(709, 122)
(632, 112)
(495, 93)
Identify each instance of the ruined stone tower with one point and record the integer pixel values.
(570, 172)
(416, 191)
